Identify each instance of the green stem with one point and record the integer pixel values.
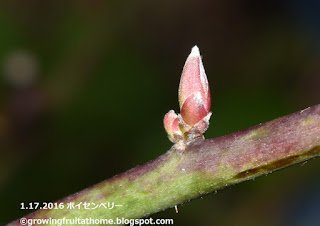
(202, 167)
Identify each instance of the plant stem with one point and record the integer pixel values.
(202, 167)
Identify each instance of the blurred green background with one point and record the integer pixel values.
(84, 87)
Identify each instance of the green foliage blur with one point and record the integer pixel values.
(84, 87)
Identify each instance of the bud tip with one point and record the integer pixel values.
(195, 51)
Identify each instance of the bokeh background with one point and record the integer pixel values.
(84, 87)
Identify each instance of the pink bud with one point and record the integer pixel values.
(194, 101)
(194, 79)
(171, 125)
(194, 92)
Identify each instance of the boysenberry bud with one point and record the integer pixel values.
(171, 125)
(194, 92)
(194, 100)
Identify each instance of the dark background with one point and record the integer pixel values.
(84, 87)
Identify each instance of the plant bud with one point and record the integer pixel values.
(194, 101)
(171, 125)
